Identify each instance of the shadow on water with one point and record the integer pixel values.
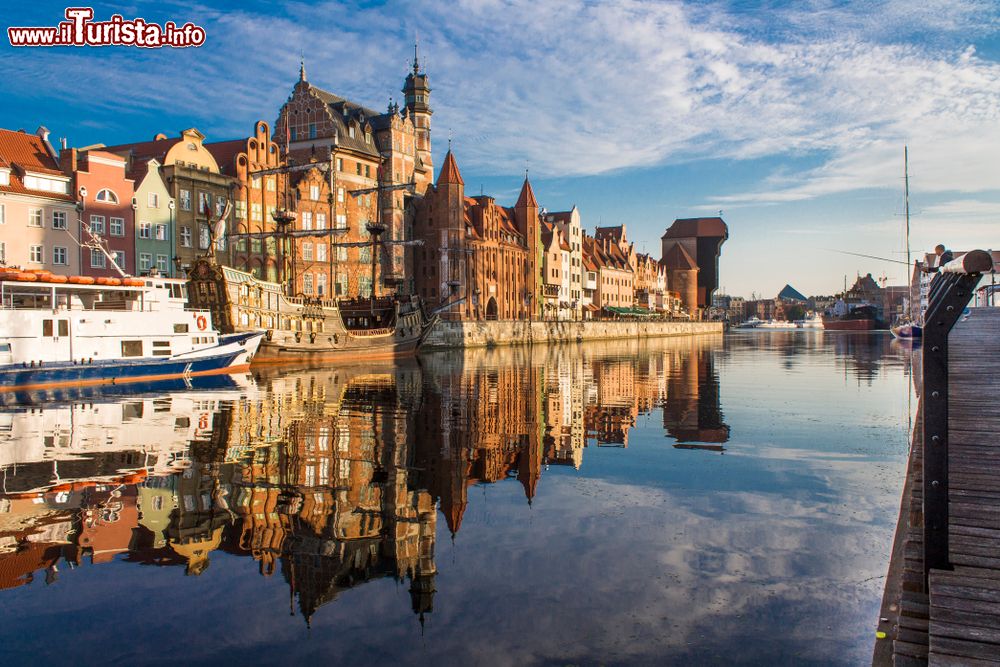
(632, 501)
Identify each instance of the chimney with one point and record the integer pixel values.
(43, 134)
(62, 143)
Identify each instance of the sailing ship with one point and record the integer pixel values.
(907, 328)
(311, 328)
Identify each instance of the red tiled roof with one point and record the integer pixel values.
(688, 227)
(449, 171)
(225, 153)
(527, 198)
(27, 152)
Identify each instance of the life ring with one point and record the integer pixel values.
(201, 322)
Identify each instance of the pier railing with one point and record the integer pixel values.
(950, 292)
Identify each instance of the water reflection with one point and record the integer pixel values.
(330, 479)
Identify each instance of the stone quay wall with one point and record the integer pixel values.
(517, 332)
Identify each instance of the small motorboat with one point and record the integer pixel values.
(907, 331)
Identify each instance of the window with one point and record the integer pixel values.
(307, 220)
(97, 260)
(241, 209)
(255, 211)
(60, 255)
(314, 192)
(46, 327)
(161, 232)
(340, 164)
(119, 257)
(108, 196)
(270, 184)
(41, 183)
(36, 254)
(118, 226)
(180, 328)
(340, 195)
(58, 219)
(203, 236)
(204, 203)
(220, 206)
(350, 131)
(97, 224)
(255, 246)
(145, 261)
(161, 263)
(307, 252)
(185, 200)
(358, 168)
(307, 283)
(321, 284)
(341, 254)
(312, 130)
(341, 221)
(4, 176)
(3, 214)
(320, 252)
(34, 217)
(321, 221)
(153, 200)
(3, 252)
(63, 327)
(365, 254)
(341, 284)
(368, 171)
(131, 348)
(186, 236)
(293, 135)
(365, 285)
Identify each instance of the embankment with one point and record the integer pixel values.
(504, 332)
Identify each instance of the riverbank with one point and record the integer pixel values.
(511, 332)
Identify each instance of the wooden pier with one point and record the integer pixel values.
(942, 599)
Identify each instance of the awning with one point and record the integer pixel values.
(591, 307)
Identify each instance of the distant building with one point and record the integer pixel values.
(568, 223)
(682, 276)
(702, 239)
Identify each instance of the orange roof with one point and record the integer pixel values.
(225, 153)
(449, 171)
(27, 152)
(527, 198)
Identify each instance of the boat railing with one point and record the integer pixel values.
(951, 291)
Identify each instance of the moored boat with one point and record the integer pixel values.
(907, 331)
(862, 318)
(308, 328)
(62, 334)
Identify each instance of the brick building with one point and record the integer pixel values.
(475, 250)
(365, 146)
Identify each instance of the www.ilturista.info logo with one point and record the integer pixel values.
(80, 30)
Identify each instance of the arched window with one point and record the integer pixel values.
(108, 196)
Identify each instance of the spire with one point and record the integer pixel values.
(527, 198)
(416, 58)
(449, 171)
(302, 68)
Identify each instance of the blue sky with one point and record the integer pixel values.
(789, 117)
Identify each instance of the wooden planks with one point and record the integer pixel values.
(957, 622)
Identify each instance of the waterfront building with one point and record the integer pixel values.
(37, 205)
(590, 275)
(154, 220)
(199, 189)
(365, 146)
(483, 258)
(568, 223)
(702, 239)
(650, 282)
(556, 283)
(101, 180)
(682, 276)
(614, 274)
(256, 201)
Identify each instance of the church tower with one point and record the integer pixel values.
(417, 100)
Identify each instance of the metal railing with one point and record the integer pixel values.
(950, 292)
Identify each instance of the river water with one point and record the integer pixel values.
(676, 501)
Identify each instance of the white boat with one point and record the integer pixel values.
(751, 323)
(777, 324)
(61, 332)
(814, 321)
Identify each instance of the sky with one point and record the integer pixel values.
(790, 118)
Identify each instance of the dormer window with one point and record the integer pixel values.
(4, 176)
(192, 147)
(107, 196)
(350, 131)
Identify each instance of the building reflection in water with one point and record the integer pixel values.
(328, 478)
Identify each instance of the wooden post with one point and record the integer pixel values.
(951, 291)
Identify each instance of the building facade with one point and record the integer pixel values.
(37, 206)
(154, 221)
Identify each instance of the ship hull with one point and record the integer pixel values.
(69, 374)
